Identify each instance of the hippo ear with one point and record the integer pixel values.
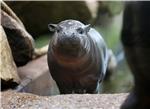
(52, 27)
(87, 28)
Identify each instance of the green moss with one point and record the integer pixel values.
(42, 40)
(120, 81)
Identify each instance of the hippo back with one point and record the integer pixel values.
(102, 50)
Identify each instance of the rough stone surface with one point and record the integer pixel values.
(40, 51)
(20, 41)
(8, 70)
(36, 78)
(12, 100)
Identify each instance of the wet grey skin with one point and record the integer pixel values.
(136, 43)
(77, 57)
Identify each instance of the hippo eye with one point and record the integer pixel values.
(58, 30)
(80, 30)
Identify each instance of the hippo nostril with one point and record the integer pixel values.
(69, 46)
(69, 41)
(73, 35)
(74, 41)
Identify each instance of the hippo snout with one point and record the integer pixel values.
(69, 45)
(69, 41)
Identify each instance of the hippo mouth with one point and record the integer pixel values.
(70, 51)
(70, 56)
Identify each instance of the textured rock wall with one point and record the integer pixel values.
(8, 70)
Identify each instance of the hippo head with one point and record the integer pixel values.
(70, 38)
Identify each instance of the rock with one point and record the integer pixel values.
(36, 78)
(20, 41)
(74, 101)
(40, 51)
(6, 9)
(107, 11)
(8, 70)
(37, 15)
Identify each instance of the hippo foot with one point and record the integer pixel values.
(131, 102)
(136, 101)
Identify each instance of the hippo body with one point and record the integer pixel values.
(136, 42)
(77, 57)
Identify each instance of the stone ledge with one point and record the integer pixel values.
(15, 100)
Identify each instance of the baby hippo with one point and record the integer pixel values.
(77, 57)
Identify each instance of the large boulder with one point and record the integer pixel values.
(36, 78)
(8, 71)
(20, 41)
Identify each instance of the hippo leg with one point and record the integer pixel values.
(65, 90)
(139, 62)
(136, 43)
